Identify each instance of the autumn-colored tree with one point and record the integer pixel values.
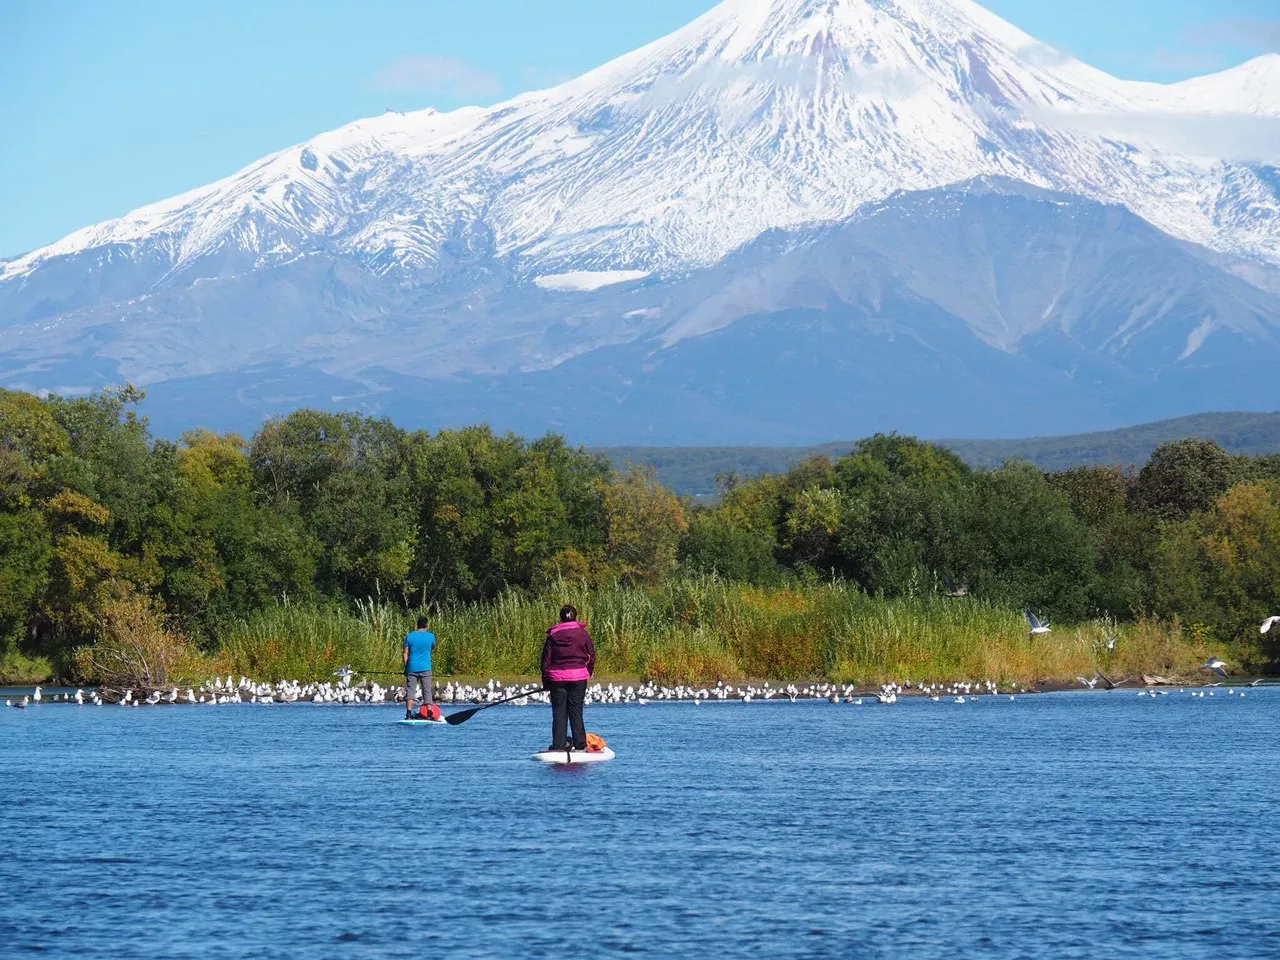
(645, 522)
(1221, 568)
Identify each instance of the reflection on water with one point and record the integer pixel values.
(1063, 825)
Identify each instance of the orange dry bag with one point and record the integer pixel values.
(595, 743)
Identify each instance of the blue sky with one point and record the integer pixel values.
(110, 105)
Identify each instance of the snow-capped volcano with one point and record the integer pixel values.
(762, 115)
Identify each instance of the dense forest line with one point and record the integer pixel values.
(693, 471)
(124, 555)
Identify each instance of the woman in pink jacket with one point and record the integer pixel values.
(568, 660)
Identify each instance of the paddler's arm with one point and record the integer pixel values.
(404, 656)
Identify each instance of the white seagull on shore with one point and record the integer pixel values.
(1037, 627)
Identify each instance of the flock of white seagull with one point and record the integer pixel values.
(344, 691)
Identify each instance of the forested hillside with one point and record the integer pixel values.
(692, 471)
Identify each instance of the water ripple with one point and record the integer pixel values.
(1063, 825)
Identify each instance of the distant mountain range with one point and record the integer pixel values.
(790, 220)
(692, 471)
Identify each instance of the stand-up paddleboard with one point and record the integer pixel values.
(423, 723)
(575, 756)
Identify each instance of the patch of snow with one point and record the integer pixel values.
(1198, 336)
(585, 281)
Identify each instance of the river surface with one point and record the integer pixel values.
(1064, 825)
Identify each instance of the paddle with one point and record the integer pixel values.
(462, 716)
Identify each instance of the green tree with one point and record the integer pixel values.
(346, 477)
(222, 554)
(1025, 546)
(1184, 477)
(714, 544)
(1099, 499)
(904, 500)
(25, 557)
(456, 481)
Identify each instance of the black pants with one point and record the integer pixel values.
(566, 707)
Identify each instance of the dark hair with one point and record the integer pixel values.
(568, 612)
(422, 623)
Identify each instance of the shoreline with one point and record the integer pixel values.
(450, 691)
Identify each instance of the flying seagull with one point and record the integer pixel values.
(1089, 683)
(1107, 682)
(1037, 628)
(1268, 623)
(953, 591)
(1214, 665)
(346, 673)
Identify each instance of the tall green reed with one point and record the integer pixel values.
(703, 630)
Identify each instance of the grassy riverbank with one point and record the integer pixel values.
(705, 630)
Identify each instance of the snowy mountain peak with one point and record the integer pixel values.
(1251, 88)
(761, 114)
(859, 48)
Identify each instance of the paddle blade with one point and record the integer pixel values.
(461, 716)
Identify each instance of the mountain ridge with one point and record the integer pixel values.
(996, 303)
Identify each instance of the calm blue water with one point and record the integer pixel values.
(1061, 825)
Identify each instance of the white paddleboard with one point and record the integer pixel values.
(423, 723)
(574, 756)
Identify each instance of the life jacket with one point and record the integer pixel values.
(429, 711)
(595, 743)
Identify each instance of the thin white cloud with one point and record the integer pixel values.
(1043, 55)
(1195, 61)
(1240, 137)
(728, 86)
(1261, 35)
(444, 76)
(542, 78)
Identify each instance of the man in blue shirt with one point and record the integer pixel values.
(417, 666)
